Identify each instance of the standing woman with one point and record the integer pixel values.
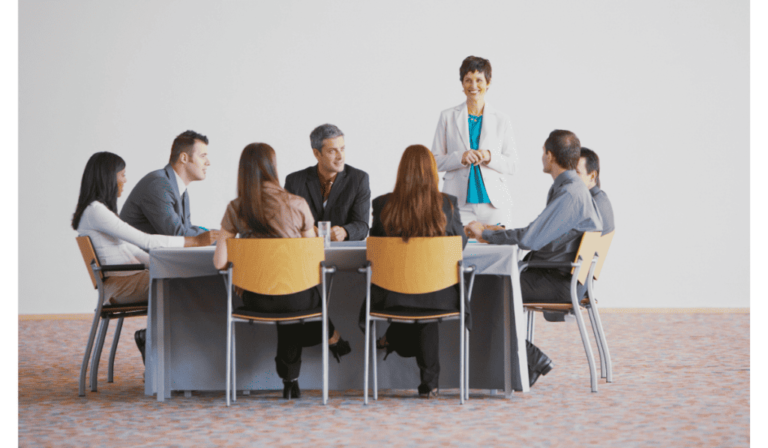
(416, 209)
(114, 240)
(263, 209)
(474, 145)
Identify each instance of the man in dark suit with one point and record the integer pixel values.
(335, 192)
(588, 170)
(159, 203)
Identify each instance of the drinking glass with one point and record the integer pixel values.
(324, 230)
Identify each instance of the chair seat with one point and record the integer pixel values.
(415, 315)
(243, 313)
(120, 308)
(554, 306)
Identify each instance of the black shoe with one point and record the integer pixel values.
(381, 346)
(538, 363)
(339, 349)
(291, 389)
(141, 339)
(426, 392)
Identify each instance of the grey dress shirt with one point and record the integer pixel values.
(554, 236)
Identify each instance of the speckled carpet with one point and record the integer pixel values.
(680, 379)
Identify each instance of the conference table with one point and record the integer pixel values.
(186, 328)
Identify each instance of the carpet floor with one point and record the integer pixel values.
(676, 383)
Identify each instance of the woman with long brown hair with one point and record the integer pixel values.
(416, 208)
(263, 209)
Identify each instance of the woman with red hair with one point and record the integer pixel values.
(416, 208)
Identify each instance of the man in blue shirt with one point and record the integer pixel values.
(554, 236)
(588, 170)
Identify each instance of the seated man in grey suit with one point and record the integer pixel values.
(554, 236)
(588, 170)
(335, 192)
(159, 203)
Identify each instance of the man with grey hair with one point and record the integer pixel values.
(335, 191)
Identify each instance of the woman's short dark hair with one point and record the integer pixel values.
(475, 64)
(565, 147)
(184, 143)
(99, 183)
(592, 163)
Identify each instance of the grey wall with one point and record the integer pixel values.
(659, 89)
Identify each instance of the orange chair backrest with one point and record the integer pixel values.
(423, 264)
(86, 249)
(586, 251)
(275, 266)
(602, 250)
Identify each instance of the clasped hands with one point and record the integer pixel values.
(338, 233)
(475, 230)
(475, 157)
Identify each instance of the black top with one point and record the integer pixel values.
(445, 299)
(349, 202)
(604, 207)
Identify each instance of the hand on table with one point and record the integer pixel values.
(475, 230)
(338, 233)
(204, 239)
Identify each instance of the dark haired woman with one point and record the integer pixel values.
(416, 209)
(114, 240)
(474, 145)
(263, 209)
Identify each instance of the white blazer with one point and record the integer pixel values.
(452, 139)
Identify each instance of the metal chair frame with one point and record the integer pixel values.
(103, 315)
(231, 382)
(370, 331)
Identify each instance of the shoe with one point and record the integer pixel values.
(425, 392)
(538, 363)
(384, 345)
(339, 349)
(141, 339)
(291, 389)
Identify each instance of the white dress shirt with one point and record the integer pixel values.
(117, 242)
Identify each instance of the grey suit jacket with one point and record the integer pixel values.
(155, 206)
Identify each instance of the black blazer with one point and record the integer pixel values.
(349, 203)
(445, 299)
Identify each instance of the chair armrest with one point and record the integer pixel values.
(123, 267)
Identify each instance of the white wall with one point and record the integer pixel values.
(659, 89)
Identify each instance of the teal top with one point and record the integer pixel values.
(476, 193)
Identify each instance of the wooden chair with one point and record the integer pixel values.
(579, 274)
(275, 266)
(104, 313)
(419, 266)
(606, 368)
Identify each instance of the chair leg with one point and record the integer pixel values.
(88, 347)
(375, 362)
(365, 370)
(604, 345)
(466, 365)
(325, 357)
(229, 358)
(531, 324)
(587, 348)
(462, 347)
(115, 340)
(97, 354)
(234, 365)
(597, 341)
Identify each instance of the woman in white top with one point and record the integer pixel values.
(114, 240)
(475, 148)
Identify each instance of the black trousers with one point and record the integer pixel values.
(421, 341)
(291, 339)
(548, 286)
